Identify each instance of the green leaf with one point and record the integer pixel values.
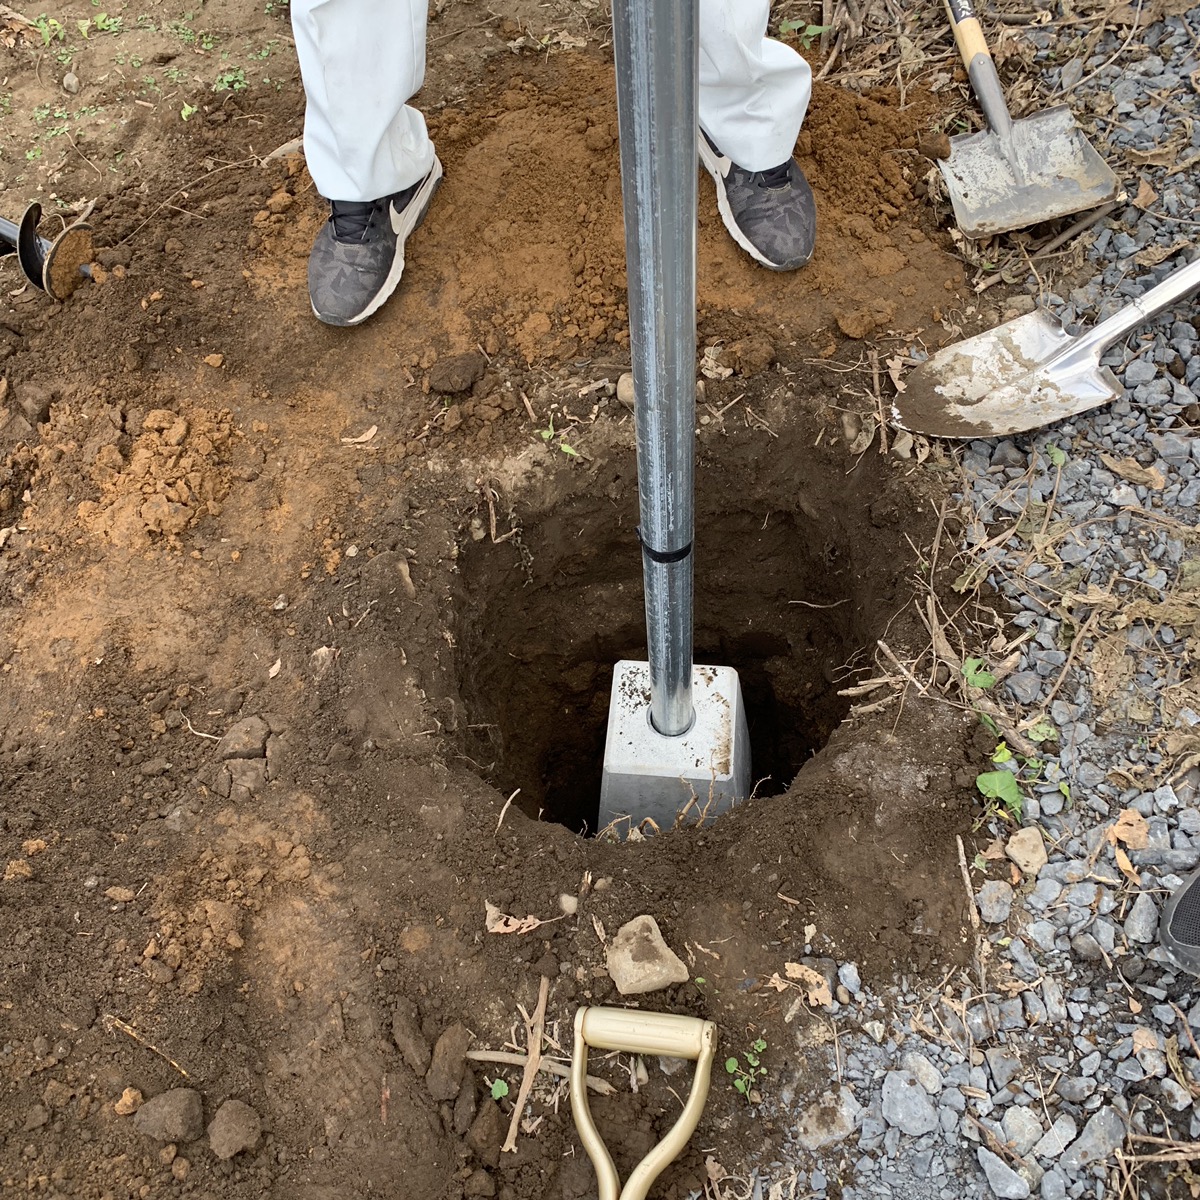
(732, 1066)
(1002, 786)
(187, 110)
(1065, 788)
(976, 675)
(1056, 455)
(989, 724)
(1042, 731)
(568, 450)
(742, 1085)
(752, 1058)
(760, 1045)
(1002, 753)
(499, 1089)
(979, 863)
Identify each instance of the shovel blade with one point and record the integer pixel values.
(1060, 173)
(1008, 380)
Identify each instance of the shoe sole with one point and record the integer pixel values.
(712, 164)
(404, 225)
(1186, 958)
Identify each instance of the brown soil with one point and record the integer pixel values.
(195, 539)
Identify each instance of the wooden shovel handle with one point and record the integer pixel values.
(981, 68)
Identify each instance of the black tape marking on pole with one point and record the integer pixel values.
(662, 556)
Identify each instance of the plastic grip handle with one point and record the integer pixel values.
(646, 1032)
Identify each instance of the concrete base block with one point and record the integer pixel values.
(648, 775)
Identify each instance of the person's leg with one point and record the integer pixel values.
(367, 149)
(754, 94)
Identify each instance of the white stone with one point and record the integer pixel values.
(833, 1118)
(640, 961)
(1027, 849)
(649, 775)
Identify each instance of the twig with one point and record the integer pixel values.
(534, 1027)
(600, 1086)
(966, 878)
(216, 737)
(505, 809)
(82, 155)
(291, 146)
(1075, 228)
(110, 1023)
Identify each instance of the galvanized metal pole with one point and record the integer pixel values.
(655, 47)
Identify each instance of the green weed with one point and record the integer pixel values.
(747, 1075)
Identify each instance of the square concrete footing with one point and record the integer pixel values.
(649, 775)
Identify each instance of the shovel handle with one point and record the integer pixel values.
(981, 68)
(1180, 284)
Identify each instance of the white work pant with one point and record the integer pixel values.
(363, 60)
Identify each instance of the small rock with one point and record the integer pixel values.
(1141, 925)
(174, 1116)
(995, 901)
(1101, 1136)
(1025, 686)
(444, 1077)
(121, 895)
(1022, 1129)
(625, 390)
(70, 83)
(906, 1104)
(406, 1033)
(640, 961)
(1003, 1180)
(848, 977)
(214, 360)
(129, 1103)
(455, 374)
(1027, 849)
(833, 1118)
(1004, 1065)
(235, 1128)
(928, 1076)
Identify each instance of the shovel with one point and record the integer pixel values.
(1016, 173)
(636, 1032)
(1026, 373)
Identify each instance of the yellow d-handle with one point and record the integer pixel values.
(639, 1033)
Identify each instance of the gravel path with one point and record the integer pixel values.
(1077, 1032)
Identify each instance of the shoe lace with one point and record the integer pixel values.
(776, 177)
(351, 218)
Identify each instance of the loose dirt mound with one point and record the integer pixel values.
(204, 537)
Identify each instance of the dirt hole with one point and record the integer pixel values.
(541, 622)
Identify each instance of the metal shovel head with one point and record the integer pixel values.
(1019, 376)
(1057, 172)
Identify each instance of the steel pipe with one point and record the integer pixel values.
(655, 47)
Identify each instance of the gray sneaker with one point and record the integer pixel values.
(770, 214)
(358, 256)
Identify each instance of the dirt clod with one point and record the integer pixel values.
(449, 376)
(235, 1128)
(445, 1074)
(486, 1134)
(174, 1116)
(406, 1033)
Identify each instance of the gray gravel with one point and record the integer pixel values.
(1029, 1085)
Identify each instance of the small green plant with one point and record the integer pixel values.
(183, 31)
(50, 29)
(745, 1077)
(1042, 730)
(1002, 786)
(106, 24)
(233, 80)
(1056, 455)
(208, 41)
(34, 154)
(499, 1089)
(805, 33)
(977, 675)
(187, 111)
(549, 433)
